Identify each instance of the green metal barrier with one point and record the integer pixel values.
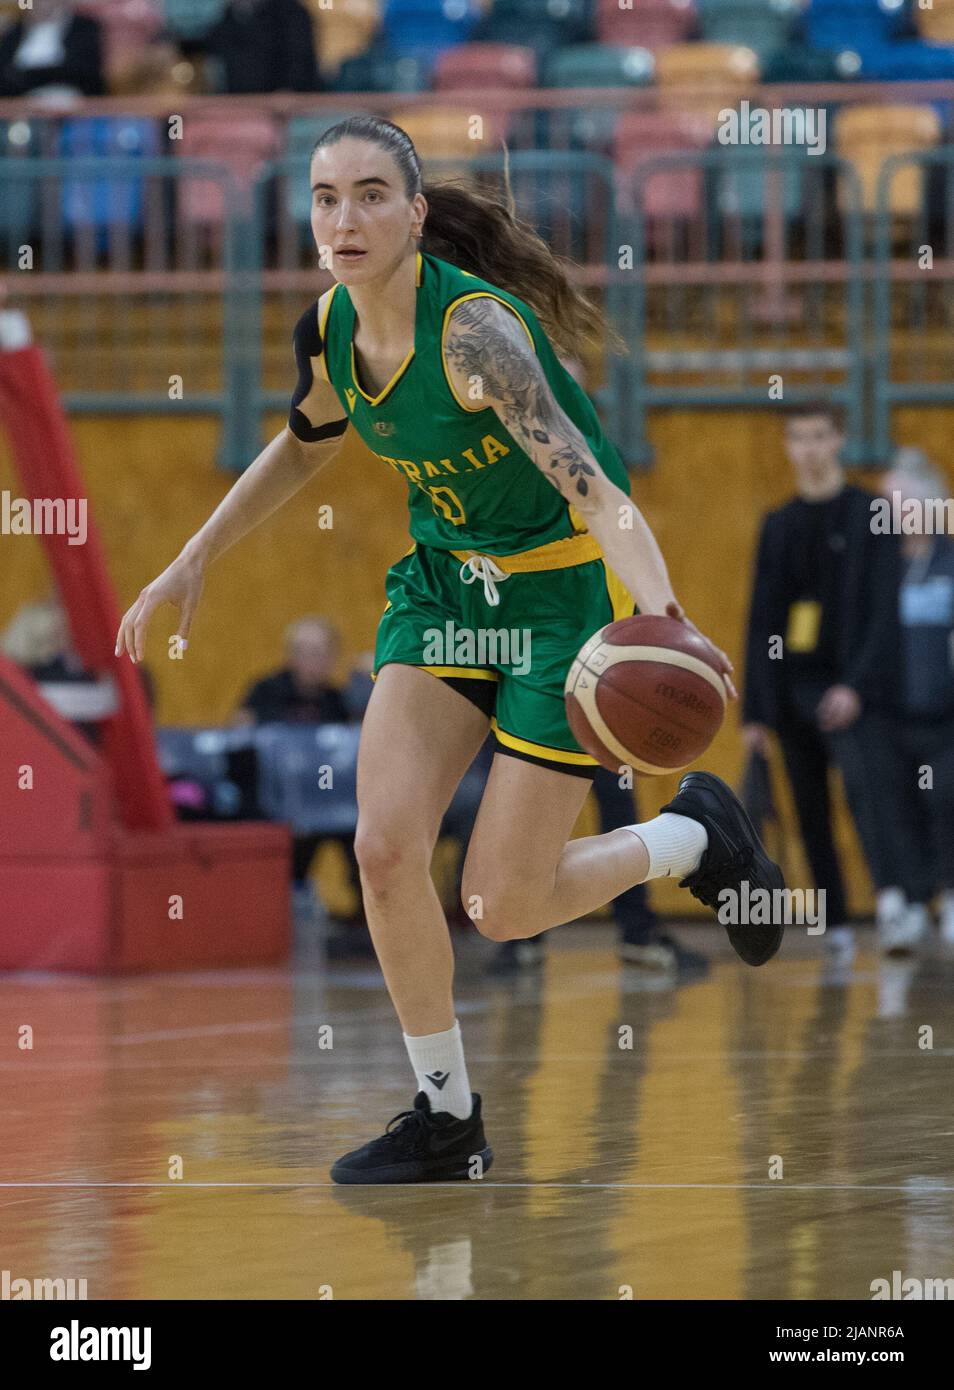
(913, 288)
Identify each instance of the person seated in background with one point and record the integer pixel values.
(820, 639)
(260, 46)
(913, 744)
(38, 640)
(302, 692)
(52, 51)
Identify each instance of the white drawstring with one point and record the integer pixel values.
(482, 567)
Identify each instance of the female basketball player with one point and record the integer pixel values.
(436, 344)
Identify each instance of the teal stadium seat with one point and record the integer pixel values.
(762, 25)
(300, 137)
(596, 65)
(19, 197)
(192, 17)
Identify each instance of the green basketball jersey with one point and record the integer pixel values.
(470, 484)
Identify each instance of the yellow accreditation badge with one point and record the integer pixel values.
(804, 622)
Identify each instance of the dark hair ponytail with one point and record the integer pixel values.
(475, 231)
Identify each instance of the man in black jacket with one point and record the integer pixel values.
(822, 648)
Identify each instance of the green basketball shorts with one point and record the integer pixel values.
(510, 657)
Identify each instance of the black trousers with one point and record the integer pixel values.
(913, 763)
(809, 754)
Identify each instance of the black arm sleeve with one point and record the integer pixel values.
(308, 344)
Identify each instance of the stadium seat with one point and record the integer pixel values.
(640, 135)
(343, 31)
(308, 776)
(936, 25)
(449, 133)
(798, 63)
(573, 13)
(381, 71)
(852, 24)
(485, 65)
(424, 28)
(544, 36)
(129, 27)
(762, 25)
(728, 71)
(102, 203)
(300, 136)
(19, 197)
(868, 134)
(599, 65)
(648, 24)
(192, 17)
(241, 143)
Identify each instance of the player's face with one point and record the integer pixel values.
(360, 211)
(813, 444)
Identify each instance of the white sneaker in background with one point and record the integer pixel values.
(908, 932)
(946, 918)
(890, 913)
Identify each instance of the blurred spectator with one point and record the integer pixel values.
(821, 649)
(358, 687)
(261, 46)
(912, 746)
(38, 639)
(301, 692)
(52, 51)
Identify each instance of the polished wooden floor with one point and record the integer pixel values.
(643, 1168)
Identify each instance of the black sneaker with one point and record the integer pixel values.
(418, 1146)
(735, 854)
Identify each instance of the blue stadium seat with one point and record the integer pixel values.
(424, 28)
(308, 776)
(101, 203)
(853, 24)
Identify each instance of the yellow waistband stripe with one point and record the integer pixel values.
(541, 750)
(556, 555)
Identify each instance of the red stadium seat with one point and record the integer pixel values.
(129, 27)
(485, 65)
(242, 143)
(642, 134)
(651, 24)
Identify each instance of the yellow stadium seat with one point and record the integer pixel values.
(725, 70)
(451, 133)
(937, 23)
(343, 30)
(867, 134)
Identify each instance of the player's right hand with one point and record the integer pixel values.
(180, 585)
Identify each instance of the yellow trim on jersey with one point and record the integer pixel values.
(322, 332)
(418, 270)
(462, 299)
(555, 555)
(470, 673)
(541, 750)
(621, 599)
(376, 400)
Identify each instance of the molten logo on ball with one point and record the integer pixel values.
(645, 691)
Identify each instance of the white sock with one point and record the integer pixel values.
(675, 844)
(438, 1062)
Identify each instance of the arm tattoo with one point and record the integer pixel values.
(486, 341)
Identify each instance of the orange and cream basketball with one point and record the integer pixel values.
(645, 692)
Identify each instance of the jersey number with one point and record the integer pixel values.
(446, 503)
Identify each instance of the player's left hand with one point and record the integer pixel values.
(675, 610)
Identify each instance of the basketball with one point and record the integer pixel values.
(645, 691)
